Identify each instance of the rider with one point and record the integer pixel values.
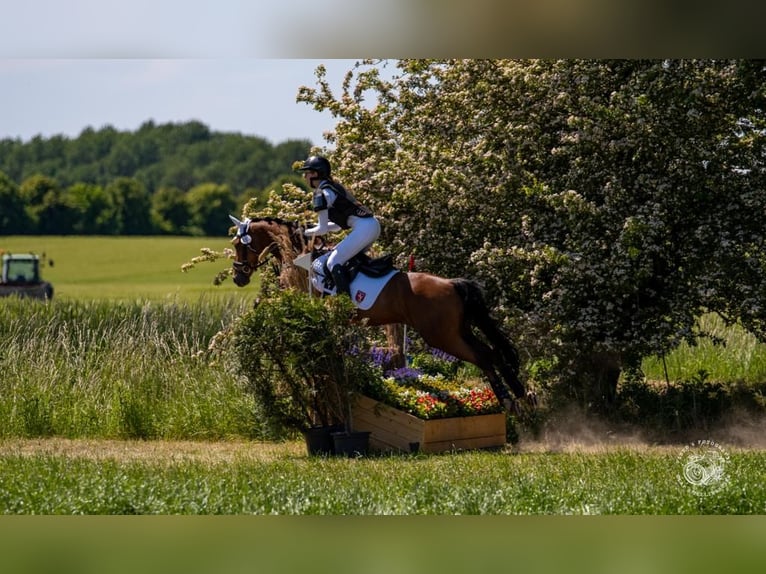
(337, 209)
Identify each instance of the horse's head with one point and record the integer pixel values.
(255, 240)
(250, 250)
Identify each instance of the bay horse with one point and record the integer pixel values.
(443, 311)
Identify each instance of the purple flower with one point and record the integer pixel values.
(404, 374)
(442, 355)
(380, 357)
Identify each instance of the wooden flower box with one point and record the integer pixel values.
(392, 429)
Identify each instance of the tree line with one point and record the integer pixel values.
(174, 178)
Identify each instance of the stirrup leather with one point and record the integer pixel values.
(341, 278)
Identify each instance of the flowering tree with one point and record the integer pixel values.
(604, 204)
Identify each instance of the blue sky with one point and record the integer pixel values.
(253, 96)
(235, 65)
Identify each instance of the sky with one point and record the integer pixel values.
(253, 96)
(234, 65)
(237, 65)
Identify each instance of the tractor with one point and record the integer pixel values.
(21, 277)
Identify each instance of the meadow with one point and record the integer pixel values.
(113, 402)
(237, 478)
(124, 268)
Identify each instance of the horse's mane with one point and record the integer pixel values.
(293, 228)
(289, 243)
(277, 220)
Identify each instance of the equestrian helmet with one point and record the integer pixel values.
(318, 164)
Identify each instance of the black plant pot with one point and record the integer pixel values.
(354, 443)
(319, 440)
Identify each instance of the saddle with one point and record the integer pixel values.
(371, 266)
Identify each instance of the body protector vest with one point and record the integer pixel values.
(344, 205)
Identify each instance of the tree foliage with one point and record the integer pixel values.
(13, 216)
(207, 202)
(79, 185)
(604, 204)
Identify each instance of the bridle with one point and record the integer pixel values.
(246, 269)
(244, 237)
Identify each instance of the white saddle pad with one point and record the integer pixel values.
(364, 289)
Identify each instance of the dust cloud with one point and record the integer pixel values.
(573, 430)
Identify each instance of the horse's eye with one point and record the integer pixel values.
(245, 239)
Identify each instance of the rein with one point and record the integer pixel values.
(248, 269)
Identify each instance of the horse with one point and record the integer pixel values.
(443, 311)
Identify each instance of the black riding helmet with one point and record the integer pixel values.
(318, 164)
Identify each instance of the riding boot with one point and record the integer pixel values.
(340, 276)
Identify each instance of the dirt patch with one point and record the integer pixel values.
(570, 432)
(157, 451)
(741, 428)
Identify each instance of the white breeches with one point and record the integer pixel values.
(364, 232)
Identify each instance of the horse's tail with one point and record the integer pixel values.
(477, 313)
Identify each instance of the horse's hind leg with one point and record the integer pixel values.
(395, 342)
(485, 360)
(503, 353)
(467, 347)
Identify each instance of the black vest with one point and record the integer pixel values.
(344, 205)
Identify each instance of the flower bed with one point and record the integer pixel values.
(430, 388)
(432, 396)
(410, 409)
(393, 429)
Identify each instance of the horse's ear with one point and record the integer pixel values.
(234, 220)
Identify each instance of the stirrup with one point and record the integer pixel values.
(328, 281)
(342, 279)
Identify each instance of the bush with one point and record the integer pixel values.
(689, 404)
(296, 352)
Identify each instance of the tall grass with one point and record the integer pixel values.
(120, 370)
(729, 354)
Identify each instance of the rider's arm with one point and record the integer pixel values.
(323, 199)
(323, 225)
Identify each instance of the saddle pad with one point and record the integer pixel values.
(364, 289)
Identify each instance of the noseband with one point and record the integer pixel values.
(244, 237)
(244, 267)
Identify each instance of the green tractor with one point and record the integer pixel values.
(21, 277)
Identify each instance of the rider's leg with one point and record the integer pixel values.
(364, 232)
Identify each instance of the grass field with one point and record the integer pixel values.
(125, 268)
(95, 477)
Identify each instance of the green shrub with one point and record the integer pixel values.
(694, 403)
(301, 357)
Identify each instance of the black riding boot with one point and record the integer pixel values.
(340, 276)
